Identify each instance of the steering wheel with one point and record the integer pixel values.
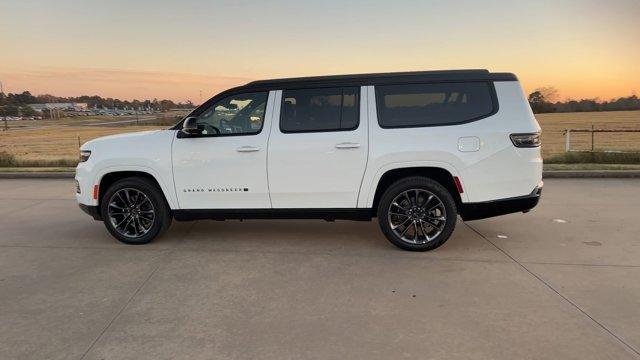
(225, 124)
(211, 129)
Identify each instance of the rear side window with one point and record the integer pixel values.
(414, 105)
(323, 109)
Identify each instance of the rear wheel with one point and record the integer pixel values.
(134, 210)
(417, 214)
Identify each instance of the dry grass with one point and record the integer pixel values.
(56, 143)
(58, 139)
(23, 169)
(552, 167)
(553, 126)
(594, 157)
(51, 143)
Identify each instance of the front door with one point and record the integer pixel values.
(318, 148)
(226, 166)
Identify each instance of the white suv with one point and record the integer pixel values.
(414, 150)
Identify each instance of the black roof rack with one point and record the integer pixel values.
(383, 78)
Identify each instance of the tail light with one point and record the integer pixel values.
(530, 140)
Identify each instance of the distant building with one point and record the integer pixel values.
(60, 106)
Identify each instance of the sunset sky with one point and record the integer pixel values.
(175, 49)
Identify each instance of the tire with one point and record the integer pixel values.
(134, 211)
(421, 224)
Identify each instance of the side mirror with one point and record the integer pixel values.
(190, 126)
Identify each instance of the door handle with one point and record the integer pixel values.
(247, 149)
(347, 145)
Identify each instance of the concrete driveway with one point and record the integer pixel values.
(562, 282)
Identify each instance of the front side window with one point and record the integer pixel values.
(323, 109)
(414, 105)
(241, 114)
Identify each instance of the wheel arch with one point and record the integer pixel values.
(109, 178)
(439, 174)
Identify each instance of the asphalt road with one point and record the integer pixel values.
(562, 282)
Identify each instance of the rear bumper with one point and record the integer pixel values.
(93, 211)
(487, 209)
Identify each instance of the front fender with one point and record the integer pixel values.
(146, 152)
(167, 189)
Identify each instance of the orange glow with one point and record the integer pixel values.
(165, 49)
(122, 84)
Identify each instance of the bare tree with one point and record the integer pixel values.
(549, 93)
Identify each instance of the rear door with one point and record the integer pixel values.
(318, 147)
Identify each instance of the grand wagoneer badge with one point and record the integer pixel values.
(211, 190)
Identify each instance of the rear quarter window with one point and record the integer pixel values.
(417, 105)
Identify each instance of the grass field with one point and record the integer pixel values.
(52, 141)
(553, 126)
(59, 139)
(56, 143)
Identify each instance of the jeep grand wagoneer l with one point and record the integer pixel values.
(414, 150)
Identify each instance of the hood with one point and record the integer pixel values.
(125, 138)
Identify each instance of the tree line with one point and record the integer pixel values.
(14, 104)
(543, 100)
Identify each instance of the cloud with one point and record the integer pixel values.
(117, 83)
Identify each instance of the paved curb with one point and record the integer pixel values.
(557, 174)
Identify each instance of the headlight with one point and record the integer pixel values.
(525, 140)
(84, 155)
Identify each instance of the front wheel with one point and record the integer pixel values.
(417, 214)
(134, 211)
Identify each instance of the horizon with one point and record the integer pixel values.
(556, 98)
(171, 50)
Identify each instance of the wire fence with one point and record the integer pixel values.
(607, 140)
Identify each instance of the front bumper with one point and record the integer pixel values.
(487, 209)
(94, 211)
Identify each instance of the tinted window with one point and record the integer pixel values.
(326, 109)
(241, 114)
(432, 104)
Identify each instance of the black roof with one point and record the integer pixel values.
(359, 80)
(383, 78)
